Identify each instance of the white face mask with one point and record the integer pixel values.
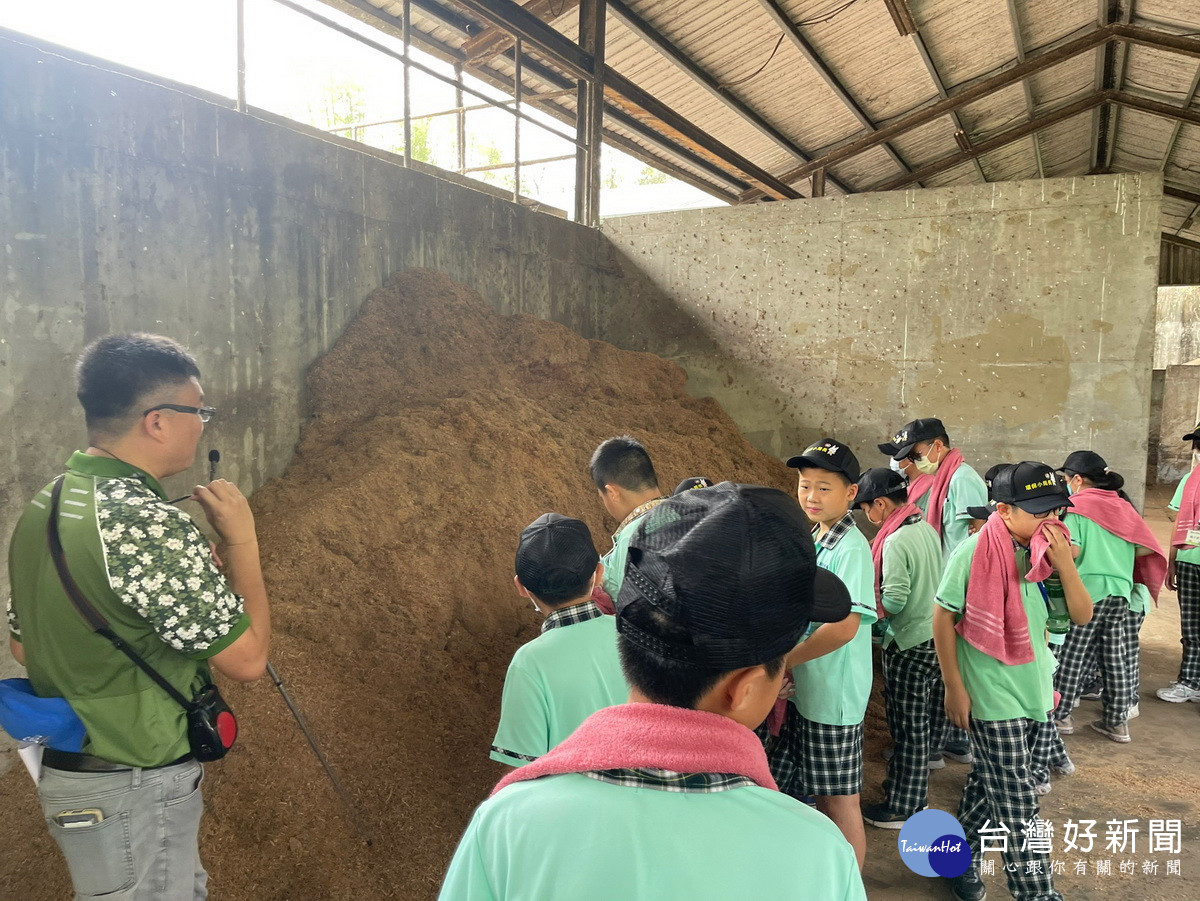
(1195, 458)
(894, 466)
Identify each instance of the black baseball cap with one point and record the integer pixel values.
(981, 512)
(692, 484)
(887, 448)
(878, 482)
(1032, 486)
(556, 557)
(828, 453)
(1194, 434)
(913, 433)
(725, 578)
(1084, 461)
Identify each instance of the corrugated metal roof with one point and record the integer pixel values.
(742, 47)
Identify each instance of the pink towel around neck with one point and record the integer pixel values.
(1113, 513)
(919, 487)
(994, 619)
(603, 601)
(890, 525)
(653, 735)
(1189, 510)
(941, 487)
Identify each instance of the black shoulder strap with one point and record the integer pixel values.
(90, 614)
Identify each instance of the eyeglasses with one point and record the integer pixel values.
(205, 413)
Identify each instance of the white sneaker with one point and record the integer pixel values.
(1043, 788)
(1132, 713)
(1177, 693)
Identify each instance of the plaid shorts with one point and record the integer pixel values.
(810, 758)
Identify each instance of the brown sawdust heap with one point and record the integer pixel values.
(439, 430)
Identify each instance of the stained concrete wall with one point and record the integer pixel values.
(1177, 330)
(1022, 314)
(1181, 412)
(126, 205)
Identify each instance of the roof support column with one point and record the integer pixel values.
(589, 107)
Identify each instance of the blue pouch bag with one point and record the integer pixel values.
(34, 720)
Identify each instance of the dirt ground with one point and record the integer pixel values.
(439, 430)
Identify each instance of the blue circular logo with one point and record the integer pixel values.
(932, 843)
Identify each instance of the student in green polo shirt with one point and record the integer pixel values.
(571, 670)
(832, 666)
(624, 476)
(908, 566)
(670, 797)
(989, 628)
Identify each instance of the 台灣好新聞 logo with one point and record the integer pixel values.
(932, 843)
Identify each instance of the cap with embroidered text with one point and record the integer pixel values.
(828, 453)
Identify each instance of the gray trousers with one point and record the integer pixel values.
(146, 846)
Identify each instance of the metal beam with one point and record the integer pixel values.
(999, 140)
(493, 41)
(1030, 104)
(551, 43)
(589, 121)
(1168, 238)
(919, 43)
(1156, 107)
(784, 21)
(1170, 148)
(373, 15)
(579, 64)
(1110, 64)
(1181, 193)
(685, 64)
(959, 97)
(1184, 45)
(618, 87)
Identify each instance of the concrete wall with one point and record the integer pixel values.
(126, 205)
(1181, 412)
(1022, 314)
(1177, 330)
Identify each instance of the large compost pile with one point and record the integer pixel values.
(439, 429)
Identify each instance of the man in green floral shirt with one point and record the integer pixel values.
(126, 811)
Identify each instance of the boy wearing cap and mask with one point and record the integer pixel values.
(946, 486)
(571, 670)
(989, 629)
(670, 796)
(908, 566)
(832, 666)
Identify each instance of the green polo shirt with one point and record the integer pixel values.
(557, 681)
(912, 568)
(1191, 554)
(148, 569)
(1105, 562)
(999, 691)
(966, 489)
(574, 837)
(834, 688)
(614, 560)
